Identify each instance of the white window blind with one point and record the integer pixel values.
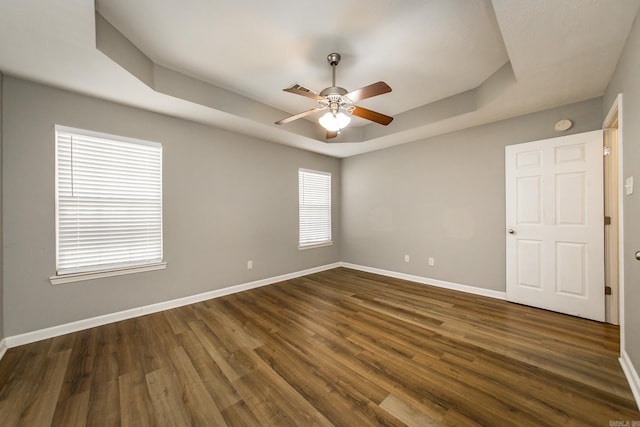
(108, 202)
(314, 207)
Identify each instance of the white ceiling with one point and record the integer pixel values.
(451, 63)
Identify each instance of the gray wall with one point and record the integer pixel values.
(625, 80)
(442, 197)
(227, 199)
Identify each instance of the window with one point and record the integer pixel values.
(314, 208)
(108, 203)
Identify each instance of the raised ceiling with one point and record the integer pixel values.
(451, 63)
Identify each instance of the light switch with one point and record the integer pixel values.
(628, 186)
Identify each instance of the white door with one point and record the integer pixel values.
(555, 224)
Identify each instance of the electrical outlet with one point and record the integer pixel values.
(249, 265)
(432, 261)
(406, 258)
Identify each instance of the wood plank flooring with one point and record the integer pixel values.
(341, 347)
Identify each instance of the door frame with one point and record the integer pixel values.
(615, 116)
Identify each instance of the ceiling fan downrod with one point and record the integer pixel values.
(333, 59)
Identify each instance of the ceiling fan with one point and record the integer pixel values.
(339, 101)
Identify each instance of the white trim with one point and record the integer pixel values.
(621, 306)
(102, 135)
(427, 281)
(612, 111)
(631, 374)
(3, 347)
(77, 277)
(315, 245)
(617, 107)
(91, 322)
(315, 171)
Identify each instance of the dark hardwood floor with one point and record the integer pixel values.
(340, 347)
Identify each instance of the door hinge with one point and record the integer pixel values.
(607, 151)
(607, 290)
(607, 220)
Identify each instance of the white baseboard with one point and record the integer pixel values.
(3, 348)
(631, 374)
(91, 322)
(427, 281)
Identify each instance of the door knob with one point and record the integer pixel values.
(638, 255)
(512, 231)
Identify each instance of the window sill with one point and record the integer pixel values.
(77, 277)
(315, 245)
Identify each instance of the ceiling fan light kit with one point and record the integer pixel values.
(334, 122)
(339, 102)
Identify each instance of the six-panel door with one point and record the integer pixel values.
(555, 224)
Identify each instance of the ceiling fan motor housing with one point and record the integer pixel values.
(334, 92)
(334, 98)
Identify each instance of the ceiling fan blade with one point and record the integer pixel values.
(331, 134)
(301, 90)
(296, 116)
(370, 91)
(374, 116)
